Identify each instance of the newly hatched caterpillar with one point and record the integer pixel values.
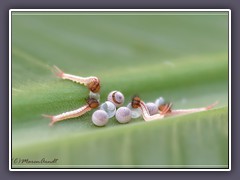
(91, 104)
(138, 103)
(91, 82)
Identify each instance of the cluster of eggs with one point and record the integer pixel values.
(123, 114)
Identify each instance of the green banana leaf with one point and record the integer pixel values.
(181, 56)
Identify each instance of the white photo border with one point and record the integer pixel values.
(119, 10)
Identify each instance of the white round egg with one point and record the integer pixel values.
(116, 97)
(109, 108)
(152, 108)
(123, 115)
(100, 118)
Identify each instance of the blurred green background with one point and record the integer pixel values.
(182, 56)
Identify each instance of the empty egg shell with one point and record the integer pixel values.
(94, 95)
(109, 108)
(159, 101)
(135, 112)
